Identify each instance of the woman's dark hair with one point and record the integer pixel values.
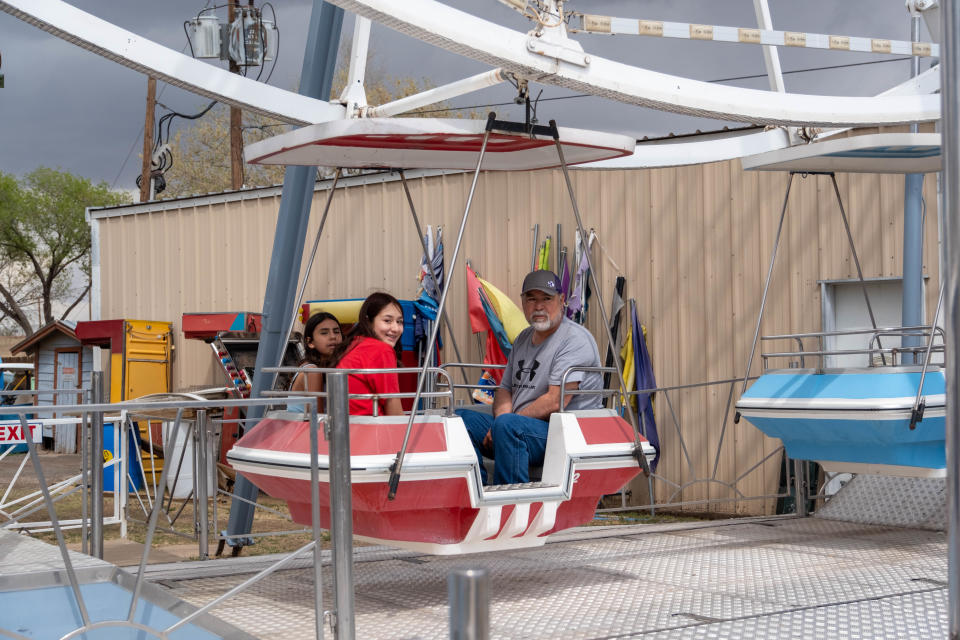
(369, 310)
(312, 355)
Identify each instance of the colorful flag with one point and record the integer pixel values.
(645, 379)
(478, 320)
(564, 274)
(615, 306)
(575, 306)
(432, 264)
(496, 327)
(506, 309)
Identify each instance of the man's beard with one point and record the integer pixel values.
(543, 325)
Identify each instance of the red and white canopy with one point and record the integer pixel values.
(430, 143)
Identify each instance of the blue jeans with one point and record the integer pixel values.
(518, 442)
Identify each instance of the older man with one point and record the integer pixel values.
(530, 389)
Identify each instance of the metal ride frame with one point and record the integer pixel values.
(796, 481)
(89, 482)
(195, 416)
(464, 606)
(492, 125)
(94, 413)
(144, 56)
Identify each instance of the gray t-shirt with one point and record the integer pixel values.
(531, 369)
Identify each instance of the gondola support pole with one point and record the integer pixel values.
(397, 466)
(766, 289)
(638, 448)
(442, 315)
(341, 507)
(315, 518)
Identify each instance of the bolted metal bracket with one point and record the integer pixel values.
(559, 50)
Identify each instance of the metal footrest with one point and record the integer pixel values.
(519, 485)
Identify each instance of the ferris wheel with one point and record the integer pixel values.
(538, 49)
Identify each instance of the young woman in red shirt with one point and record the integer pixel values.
(373, 343)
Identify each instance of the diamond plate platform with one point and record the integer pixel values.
(761, 578)
(889, 500)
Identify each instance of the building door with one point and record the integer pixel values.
(67, 375)
(844, 308)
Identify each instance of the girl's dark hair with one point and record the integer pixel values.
(369, 310)
(312, 355)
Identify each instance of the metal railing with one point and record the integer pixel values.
(198, 419)
(182, 412)
(439, 372)
(666, 487)
(873, 349)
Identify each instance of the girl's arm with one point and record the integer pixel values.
(307, 381)
(392, 407)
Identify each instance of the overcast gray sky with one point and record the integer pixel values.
(65, 107)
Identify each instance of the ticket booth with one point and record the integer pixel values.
(140, 364)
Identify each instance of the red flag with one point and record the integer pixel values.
(494, 355)
(478, 319)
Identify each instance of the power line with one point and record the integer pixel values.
(827, 68)
(139, 136)
(750, 77)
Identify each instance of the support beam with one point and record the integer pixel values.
(353, 96)
(316, 79)
(950, 105)
(912, 307)
(771, 57)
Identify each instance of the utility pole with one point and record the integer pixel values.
(236, 138)
(146, 183)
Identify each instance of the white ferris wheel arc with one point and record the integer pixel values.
(473, 37)
(140, 54)
(552, 62)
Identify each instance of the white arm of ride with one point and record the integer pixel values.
(730, 145)
(127, 48)
(499, 46)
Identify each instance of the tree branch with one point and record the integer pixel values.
(13, 310)
(76, 302)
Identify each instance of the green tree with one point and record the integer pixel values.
(45, 242)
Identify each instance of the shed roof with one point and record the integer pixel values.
(30, 342)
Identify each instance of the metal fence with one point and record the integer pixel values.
(672, 482)
(190, 452)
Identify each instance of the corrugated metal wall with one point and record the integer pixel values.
(693, 243)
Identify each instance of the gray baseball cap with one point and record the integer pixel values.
(542, 280)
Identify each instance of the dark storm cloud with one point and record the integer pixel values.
(63, 106)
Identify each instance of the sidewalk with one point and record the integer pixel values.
(127, 553)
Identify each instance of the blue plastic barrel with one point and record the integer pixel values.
(135, 478)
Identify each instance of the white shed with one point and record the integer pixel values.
(60, 363)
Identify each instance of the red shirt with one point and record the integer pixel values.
(370, 353)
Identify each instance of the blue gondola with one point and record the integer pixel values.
(854, 420)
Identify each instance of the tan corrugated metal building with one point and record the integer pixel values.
(693, 242)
